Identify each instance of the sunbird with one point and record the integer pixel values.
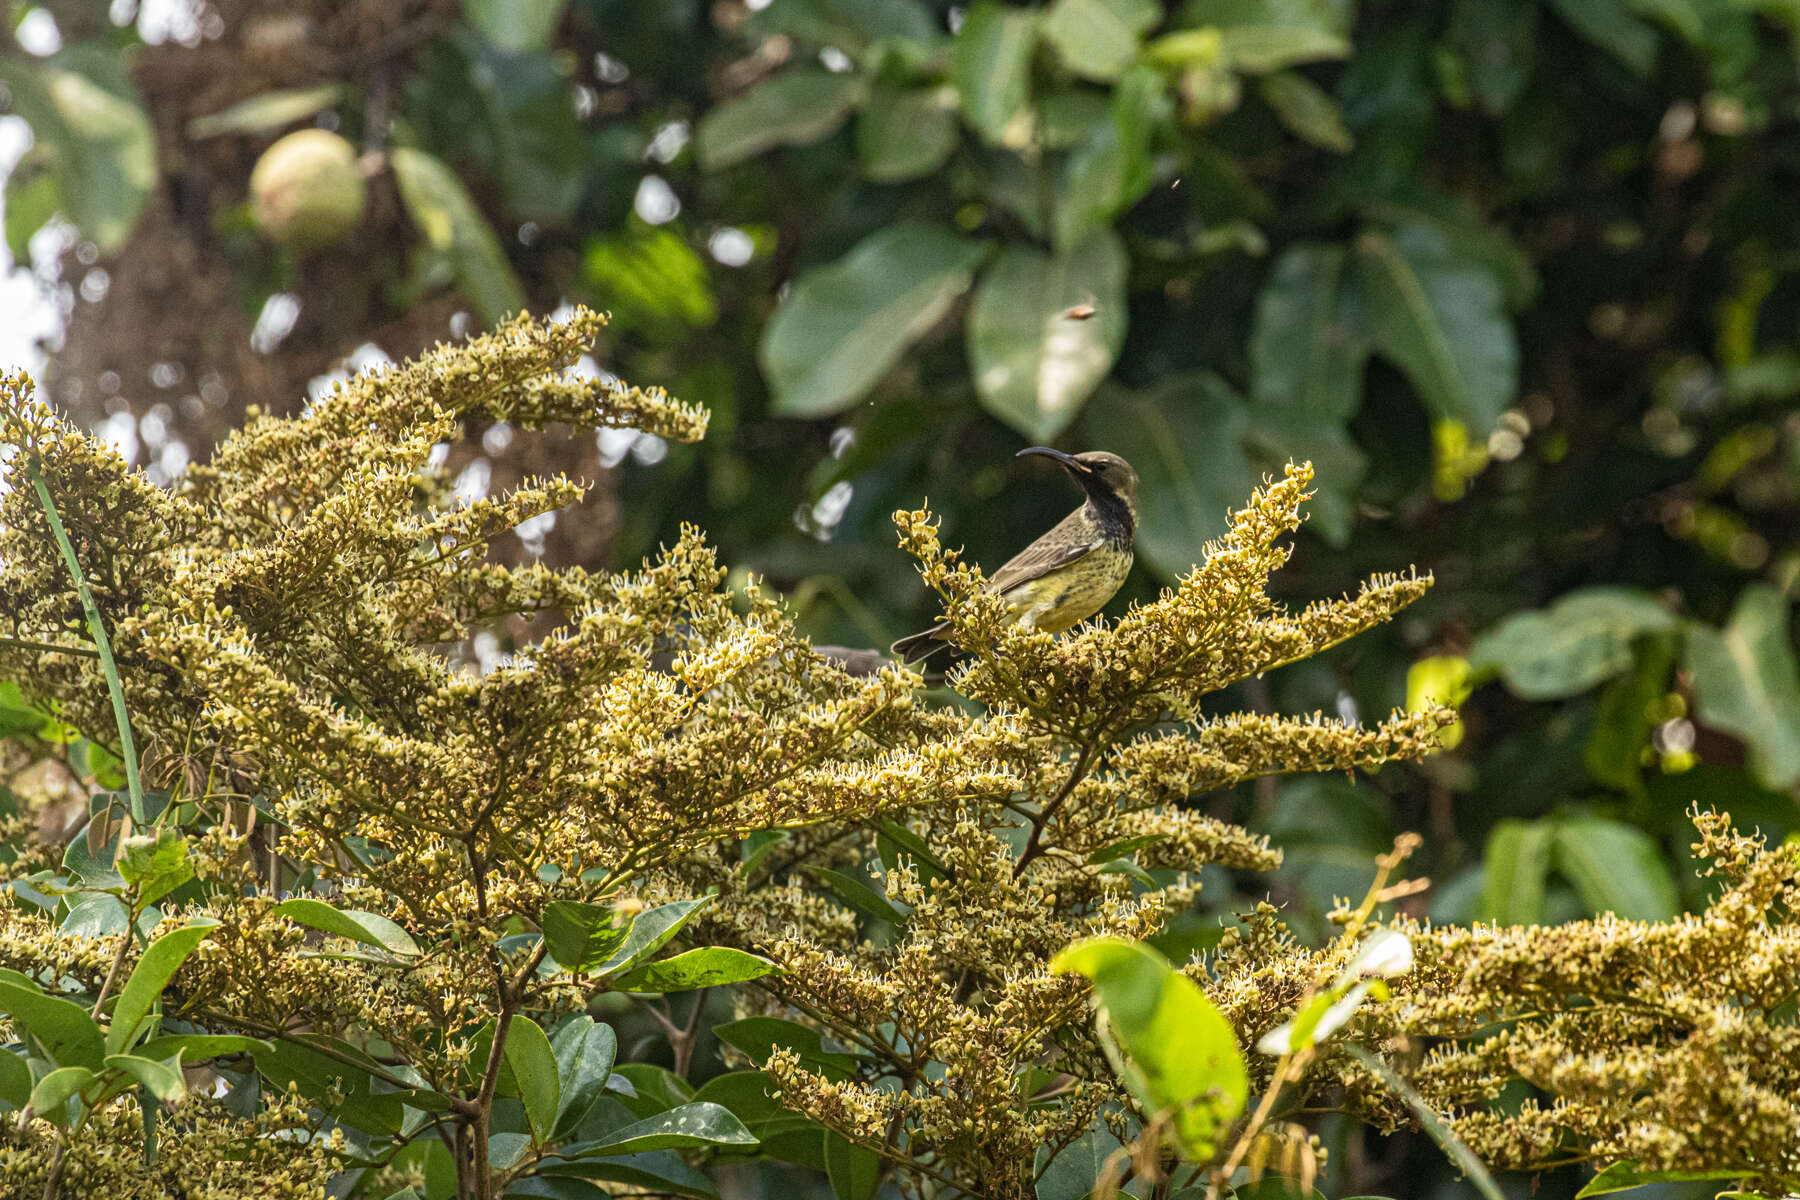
(1070, 573)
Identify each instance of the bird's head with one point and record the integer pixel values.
(1102, 475)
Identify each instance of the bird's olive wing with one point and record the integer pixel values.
(1069, 541)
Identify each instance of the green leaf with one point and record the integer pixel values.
(1497, 40)
(1617, 868)
(1183, 1047)
(371, 929)
(1109, 168)
(1183, 498)
(297, 1062)
(1434, 1123)
(15, 1078)
(1306, 110)
(582, 936)
(153, 971)
(708, 966)
(1581, 640)
(1071, 1175)
(749, 1094)
(584, 1050)
(96, 916)
(534, 1068)
(859, 896)
(758, 1037)
(267, 111)
(795, 108)
(990, 63)
(162, 1079)
(895, 840)
(1442, 321)
(1619, 1176)
(95, 869)
(54, 1089)
(454, 227)
(1034, 364)
(660, 1171)
(650, 932)
(694, 1124)
(1623, 715)
(845, 324)
(155, 864)
(516, 26)
(198, 1047)
(1514, 867)
(904, 133)
(1747, 683)
(1611, 27)
(32, 197)
(1267, 35)
(1309, 338)
(96, 143)
(1099, 38)
(61, 1027)
(850, 25)
(853, 1171)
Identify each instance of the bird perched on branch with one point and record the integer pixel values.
(1070, 573)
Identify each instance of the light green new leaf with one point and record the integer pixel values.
(1616, 868)
(1442, 321)
(990, 63)
(534, 1070)
(1034, 364)
(516, 26)
(95, 141)
(453, 226)
(846, 323)
(162, 1079)
(1099, 38)
(707, 966)
(1747, 683)
(1183, 1047)
(267, 111)
(795, 108)
(905, 133)
(371, 929)
(701, 1123)
(1514, 868)
(152, 973)
(64, 1030)
(154, 864)
(1581, 640)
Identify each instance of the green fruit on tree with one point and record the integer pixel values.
(307, 190)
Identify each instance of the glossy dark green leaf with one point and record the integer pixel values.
(1747, 682)
(198, 1047)
(1443, 322)
(582, 936)
(534, 1068)
(314, 1074)
(1581, 640)
(1515, 866)
(703, 967)
(896, 844)
(97, 915)
(685, 1127)
(990, 63)
(648, 1089)
(585, 1050)
(1620, 1176)
(1035, 364)
(758, 1037)
(454, 226)
(15, 1078)
(64, 1030)
(905, 133)
(658, 1171)
(1099, 38)
(650, 932)
(371, 929)
(794, 108)
(845, 324)
(1072, 1174)
(1616, 868)
(858, 896)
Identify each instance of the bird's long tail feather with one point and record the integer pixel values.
(921, 645)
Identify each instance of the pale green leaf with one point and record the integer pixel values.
(454, 226)
(267, 111)
(1616, 868)
(1581, 640)
(904, 133)
(1515, 866)
(1747, 683)
(795, 108)
(516, 26)
(1099, 38)
(990, 63)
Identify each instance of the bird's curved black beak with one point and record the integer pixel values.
(1070, 463)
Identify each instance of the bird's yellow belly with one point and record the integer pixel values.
(1072, 594)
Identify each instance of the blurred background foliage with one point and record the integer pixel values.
(1522, 278)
